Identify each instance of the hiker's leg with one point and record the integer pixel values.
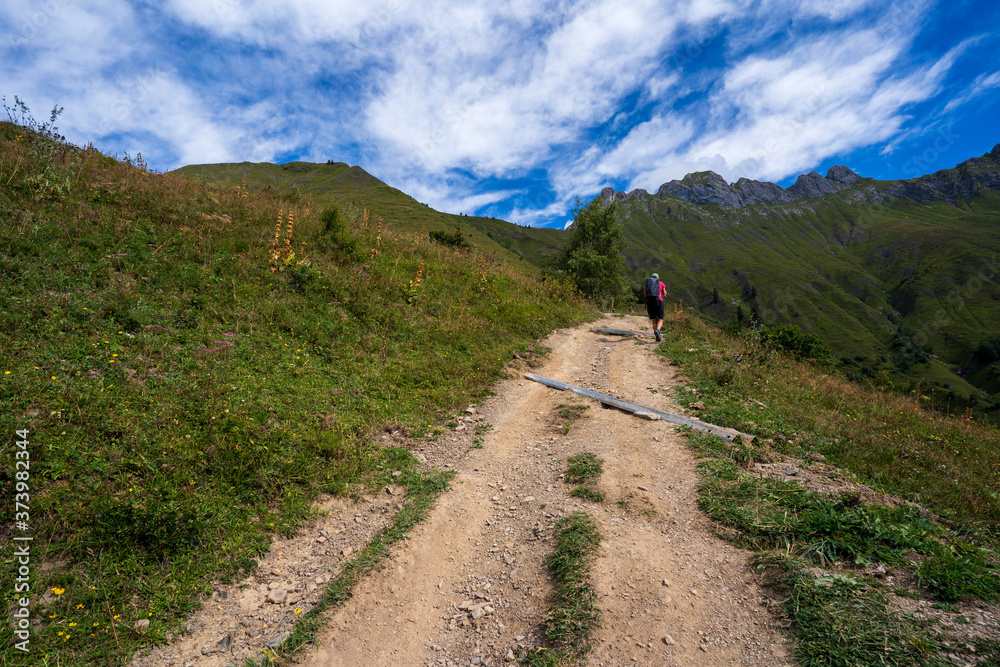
(656, 314)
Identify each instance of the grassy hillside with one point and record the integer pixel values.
(337, 182)
(862, 578)
(902, 292)
(190, 364)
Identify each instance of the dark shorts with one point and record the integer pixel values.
(655, 308)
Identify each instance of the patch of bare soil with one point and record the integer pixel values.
(471, 586)
(969, 619)
(821, 477)
(240, 620)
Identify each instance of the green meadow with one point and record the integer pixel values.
(195, 363)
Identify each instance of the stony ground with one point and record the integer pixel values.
(470, 587)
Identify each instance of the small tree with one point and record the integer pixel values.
(989, 349)
(593, 256)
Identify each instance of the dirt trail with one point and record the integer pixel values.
(670, 592)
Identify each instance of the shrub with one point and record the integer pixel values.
(454, 239)
(732, 328)
(337, 235)
(793, 340)
(989, 350)
(333, 220)
(302, 276)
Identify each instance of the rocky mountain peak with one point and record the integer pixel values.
(607, 196)
(708, 187)
(704, 177)
(757, 192)
(702, 187)
(838, 173)
(812, 185)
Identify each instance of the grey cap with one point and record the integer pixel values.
(656, 275)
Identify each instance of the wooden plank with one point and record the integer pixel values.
(628, 406)
(620, 332)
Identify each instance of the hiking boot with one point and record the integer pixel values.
(656, 332)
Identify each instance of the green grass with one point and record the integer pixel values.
(777, 515)
(587, 493)
(583, 468)
(947, 464)
(189, 389)
(813, 545)
(988, 650)
(570, 413)
(574, 612)
(343, 184)
(844, 621)
(960, 570)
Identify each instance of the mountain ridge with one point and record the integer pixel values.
(708, 187)
(896, 277)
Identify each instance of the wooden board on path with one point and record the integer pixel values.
(628, 406)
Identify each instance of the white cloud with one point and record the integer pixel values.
(435, 96)
(289, 24)
(56, 48)
(833, 9)
(778, 115)
(982, 84)
(450, 109)
(451, 197)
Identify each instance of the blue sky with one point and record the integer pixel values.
(514, 109)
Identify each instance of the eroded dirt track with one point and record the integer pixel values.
(471, 587)
(670, 592)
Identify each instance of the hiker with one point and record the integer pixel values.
(655, 291)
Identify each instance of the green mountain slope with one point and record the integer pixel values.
(898, 278)
(340, 183)
(183, 382)
(901, 289)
